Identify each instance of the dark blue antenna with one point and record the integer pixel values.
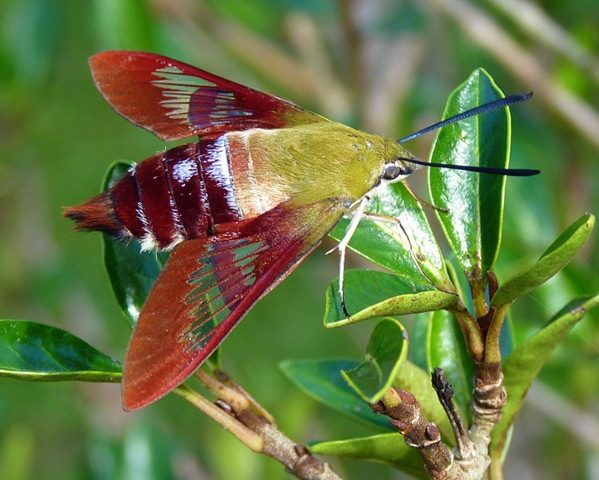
(487, 107)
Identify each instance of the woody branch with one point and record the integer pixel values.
(240, 414)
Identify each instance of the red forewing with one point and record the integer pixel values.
(174, 100)
(207, 286)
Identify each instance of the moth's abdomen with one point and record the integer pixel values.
(170, 197)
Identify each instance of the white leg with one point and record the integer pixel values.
(392, 220)
(342, 246)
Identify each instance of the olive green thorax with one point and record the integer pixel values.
(322, 160)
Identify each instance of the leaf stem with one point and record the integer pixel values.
(471, 331)
(478, 297)
(495, 471)
(492, 346)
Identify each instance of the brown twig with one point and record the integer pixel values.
(239, 413)
(488, 400)
(404, 411)
(221, 416)
(471, 459)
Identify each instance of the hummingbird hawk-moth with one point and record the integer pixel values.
(239, 208)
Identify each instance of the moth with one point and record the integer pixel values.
(239, 208)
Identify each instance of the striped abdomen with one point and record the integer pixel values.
(173, 196)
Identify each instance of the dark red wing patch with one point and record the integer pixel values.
(207, 287)
(174, 100)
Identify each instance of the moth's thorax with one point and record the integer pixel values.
(304, 164)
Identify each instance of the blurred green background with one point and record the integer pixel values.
(382, 65)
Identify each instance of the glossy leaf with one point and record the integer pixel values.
(522, 366)
(418, 340)
(321, 380)
(386, 448)
(387, 349)
(556, 257)
(506, 337)
(370, 294)
(32, 351)
(459, 280)
(132, 273)
(472, 224)
(385, 242)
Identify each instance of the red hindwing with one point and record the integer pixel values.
(207, 286)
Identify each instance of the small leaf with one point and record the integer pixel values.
(370, 294)
(472, 224)
(522, 366)
(386, 448)
(321, 380)
(446, 349)
(556, 257)
(387, 349)
(132, 273)
(395, 247)
(31, 351)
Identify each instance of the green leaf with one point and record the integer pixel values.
(321, 380)
(385, 242)
(370, 294)
(522, 366)
(446, 349)
(132, 273)
(556, 257)
(31, 351)
(387, 448)
(472, 224)
(418, 340)
(387, 349)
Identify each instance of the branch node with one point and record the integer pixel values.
(404, 412)
(224, 406)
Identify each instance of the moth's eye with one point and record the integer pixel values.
(391, 171)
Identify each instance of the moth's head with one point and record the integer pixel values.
(395, 170)
(396, 165)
